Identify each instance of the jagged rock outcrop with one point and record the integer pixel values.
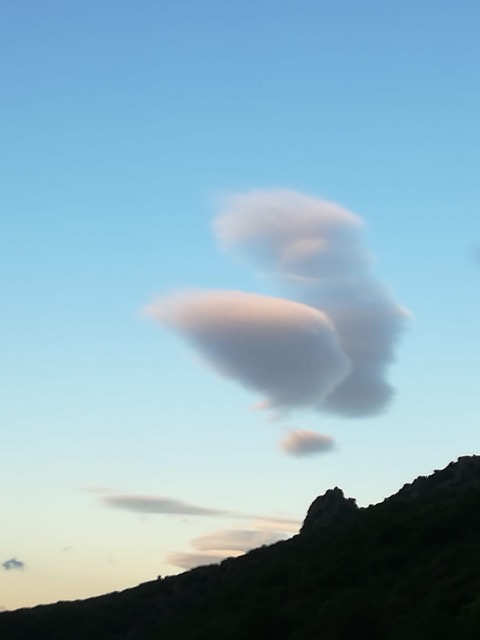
(331, 508)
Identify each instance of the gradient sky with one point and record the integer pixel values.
(125, 126)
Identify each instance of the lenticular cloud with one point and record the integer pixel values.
(328, 350)
(288, 351)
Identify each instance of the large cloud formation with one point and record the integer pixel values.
(328, 350)
(286, 350)
(316, 249)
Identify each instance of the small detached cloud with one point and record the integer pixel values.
(301, 442)
(157, 504)
(13, 565)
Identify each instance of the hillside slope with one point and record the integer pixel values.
(408, 567)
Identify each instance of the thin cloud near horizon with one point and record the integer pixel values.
(190, 560)
(162, 505)
(237, 540)
(157, 505)
(217, 546)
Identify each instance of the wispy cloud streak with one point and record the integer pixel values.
(158, 505)
(215, 547)
(190, 560)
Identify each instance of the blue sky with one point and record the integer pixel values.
(124, 128)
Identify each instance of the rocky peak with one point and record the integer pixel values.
(331, 508)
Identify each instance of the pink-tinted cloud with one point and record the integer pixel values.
(301, 442)
(292, 234)
(287, 351)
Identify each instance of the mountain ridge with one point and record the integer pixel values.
(408, 566)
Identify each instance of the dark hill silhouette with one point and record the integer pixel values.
(408, 567)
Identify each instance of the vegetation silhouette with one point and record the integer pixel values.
(408, 567)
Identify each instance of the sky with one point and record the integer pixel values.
(239, 266)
